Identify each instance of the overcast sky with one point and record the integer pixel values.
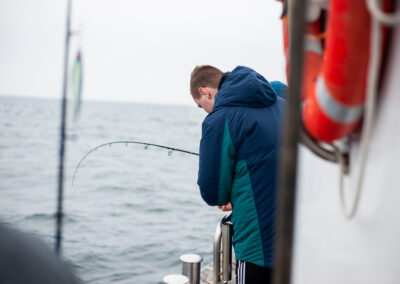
(140, 51)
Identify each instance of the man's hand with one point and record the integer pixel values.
(227, 207)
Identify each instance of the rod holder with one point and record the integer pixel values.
(191, 264)
(175, 279)
(222, 251)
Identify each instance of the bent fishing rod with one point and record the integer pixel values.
(146, 146)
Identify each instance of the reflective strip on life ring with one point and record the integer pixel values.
(313, 46)
(334, 109)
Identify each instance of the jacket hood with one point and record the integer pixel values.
(244, 87)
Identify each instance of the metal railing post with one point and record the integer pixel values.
(222, 251)
(226, 250)
(191, 264)
(217, 254)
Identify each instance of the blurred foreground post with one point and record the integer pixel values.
(290, 138)
(60, 191)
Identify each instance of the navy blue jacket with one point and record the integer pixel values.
(238, 160)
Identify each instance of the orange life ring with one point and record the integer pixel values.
(335, 74)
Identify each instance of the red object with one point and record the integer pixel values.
(334, 81)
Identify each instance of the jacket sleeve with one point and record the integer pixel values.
(216, 163)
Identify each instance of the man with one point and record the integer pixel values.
(238, 159)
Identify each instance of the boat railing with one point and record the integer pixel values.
(222, 259)
(222, 251)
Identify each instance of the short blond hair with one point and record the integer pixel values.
(204, 76)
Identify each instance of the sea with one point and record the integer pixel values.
(132, 210)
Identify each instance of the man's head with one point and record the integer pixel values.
(204, 82)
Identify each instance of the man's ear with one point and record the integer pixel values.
(202, 91)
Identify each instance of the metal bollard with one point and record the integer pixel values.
(223, 251)
(175, 279)
(191, 264)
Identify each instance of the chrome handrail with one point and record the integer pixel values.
(222, 251)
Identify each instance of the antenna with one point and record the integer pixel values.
(60, 190)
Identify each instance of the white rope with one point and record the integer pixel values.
(386, 18)
(369, 116)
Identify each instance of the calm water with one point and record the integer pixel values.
(131, 212)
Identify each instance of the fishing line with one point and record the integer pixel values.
(146, 146)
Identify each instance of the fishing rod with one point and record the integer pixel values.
(146, 146)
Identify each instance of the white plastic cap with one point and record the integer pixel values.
(176, 279)
(191, 258)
